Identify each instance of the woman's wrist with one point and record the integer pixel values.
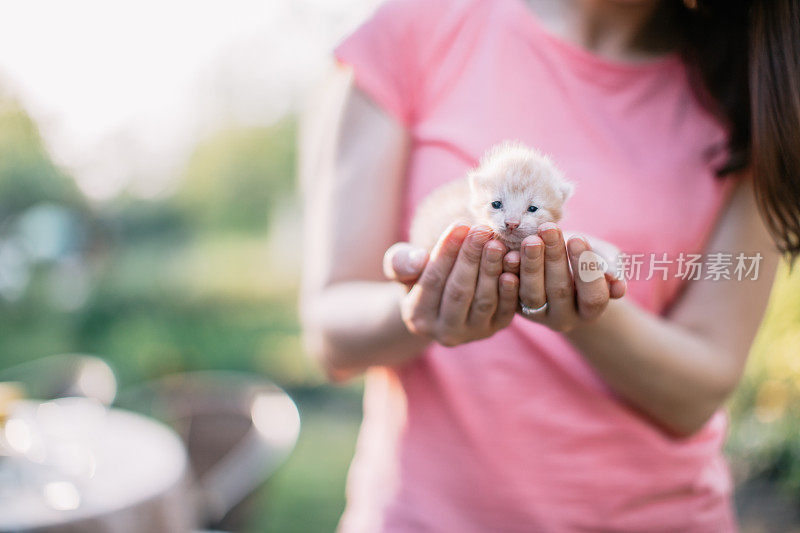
(356, 325)
(586, 332)
(402, 344)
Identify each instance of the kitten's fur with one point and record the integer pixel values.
(511, 173)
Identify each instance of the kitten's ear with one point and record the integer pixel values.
(566, 189)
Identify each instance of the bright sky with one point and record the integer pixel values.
(124, 90)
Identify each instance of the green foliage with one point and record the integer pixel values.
(234, 178)
(184, 283)
(133, 221)
(765, 411)
(27, 174)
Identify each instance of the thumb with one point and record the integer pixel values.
(404, 262)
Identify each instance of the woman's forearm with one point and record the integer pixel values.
(679, 370)
(674, 376)
(353, 325)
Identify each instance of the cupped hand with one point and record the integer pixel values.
(546, 277)
(462, 294)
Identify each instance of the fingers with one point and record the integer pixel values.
(511, 262)
(617, 288)
(592, 296)
(532, 279)
(404, 262)
(508, 300)
(607, 251)
(424, 299)
(558, 278)
(460, 286)
(484, 303)
(610, 255)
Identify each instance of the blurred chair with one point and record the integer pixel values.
(63, 375)
(238, 429)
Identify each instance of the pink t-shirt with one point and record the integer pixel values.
(518, 432)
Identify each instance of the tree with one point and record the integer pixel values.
(234, 178)
(27, 174)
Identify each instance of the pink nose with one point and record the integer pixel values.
(511, 225)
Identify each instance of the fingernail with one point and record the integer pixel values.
(549, 237)
(494, 254)
(532, 251)
(577, 245)
(507, 284)
(416, 258)
(459, 231)
(546, 226)
(480, 233)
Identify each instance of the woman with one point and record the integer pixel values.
(680, 125)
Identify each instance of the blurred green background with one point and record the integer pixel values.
(205, 277)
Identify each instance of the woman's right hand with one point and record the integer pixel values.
(462, 294)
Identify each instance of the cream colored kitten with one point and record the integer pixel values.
(513, 190)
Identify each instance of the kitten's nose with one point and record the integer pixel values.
(511, 225)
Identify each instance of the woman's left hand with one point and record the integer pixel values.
(545, 277)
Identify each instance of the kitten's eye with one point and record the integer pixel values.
(497, 204)
(532, 208)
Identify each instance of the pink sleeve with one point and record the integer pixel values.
(383, 53)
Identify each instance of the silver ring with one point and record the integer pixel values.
(528, 311)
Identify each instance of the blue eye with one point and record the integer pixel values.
(497, 204)
(532, 209)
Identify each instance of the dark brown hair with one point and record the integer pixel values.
(745, 59)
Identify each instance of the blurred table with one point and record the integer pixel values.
(78, 466)
(238, 428)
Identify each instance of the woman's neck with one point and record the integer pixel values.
(615, 29)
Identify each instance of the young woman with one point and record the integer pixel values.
(680, 125)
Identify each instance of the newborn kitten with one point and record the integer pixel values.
(513, 190)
